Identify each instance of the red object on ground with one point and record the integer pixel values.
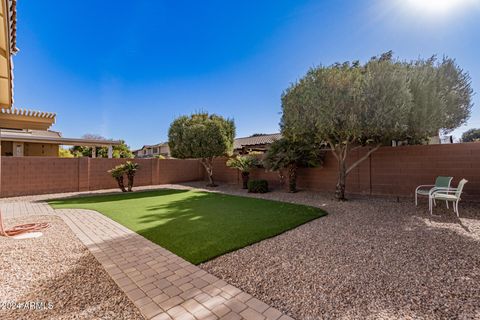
(20, 229)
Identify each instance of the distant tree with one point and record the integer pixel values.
(259, 134)
(244, 164)
(351, 105)
(119, 151)
(472, 135)
(64, 153)
(201, 136)
(285, 154)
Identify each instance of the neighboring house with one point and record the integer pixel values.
(26, 132)
(254, 143)
(151, 151)
(432, 140)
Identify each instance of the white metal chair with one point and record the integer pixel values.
(447, 194)
(426, 189)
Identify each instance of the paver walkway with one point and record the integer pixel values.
(161, 284)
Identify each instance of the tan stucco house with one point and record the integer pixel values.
(151, 151)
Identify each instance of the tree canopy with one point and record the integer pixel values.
(119, 151)
(201, 136)
(349, 104)
(472, 135)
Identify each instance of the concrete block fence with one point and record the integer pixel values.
(42, 175)
(390, 171)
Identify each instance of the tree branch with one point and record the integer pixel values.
(356, 163)
(334, 151)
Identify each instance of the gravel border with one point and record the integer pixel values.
(368, 259)
(58, 269)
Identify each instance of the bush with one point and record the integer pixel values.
(128, 168)
(258, 186)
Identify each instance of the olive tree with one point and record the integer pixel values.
(201, 136)
(351, 105)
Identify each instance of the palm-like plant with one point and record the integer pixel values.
(117, 173)
(244, 164)
(287, 155)
(130, 169)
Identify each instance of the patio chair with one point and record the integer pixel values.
(424, 190)
(448, 194)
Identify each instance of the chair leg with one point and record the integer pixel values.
(416, 199)
(446, 202)
(456, 205)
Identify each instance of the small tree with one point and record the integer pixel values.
(117, 173)
(472, 135)
(244, 164)
(351, 105)
(130, 169)
(201, 136)
(285, 154)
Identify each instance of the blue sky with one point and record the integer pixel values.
(126, 69)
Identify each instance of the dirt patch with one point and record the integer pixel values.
(57, 274)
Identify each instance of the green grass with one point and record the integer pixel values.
(197, 226)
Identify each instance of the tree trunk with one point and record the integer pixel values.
(341, 152)
(281, 177)
(208, 164)
(245, 178)
(121, 185)
(342, 178)
(292, 178)
(130, 181)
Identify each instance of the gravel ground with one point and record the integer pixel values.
(368, 259)
(57, 269)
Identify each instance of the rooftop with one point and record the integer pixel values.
(51, 137)
(26, 119)
(256, 140)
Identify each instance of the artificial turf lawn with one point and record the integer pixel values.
(197, 226)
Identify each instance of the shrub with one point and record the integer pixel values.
(117, 173)
(287, 155)
(129, 169)
(244, 164)
(258, 186)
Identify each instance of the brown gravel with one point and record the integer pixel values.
(57, 269)
(368, 259)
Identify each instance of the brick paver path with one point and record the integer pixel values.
(161, 284)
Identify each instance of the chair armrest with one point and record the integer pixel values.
(424, 186)
(444, 191)
(440, 189)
